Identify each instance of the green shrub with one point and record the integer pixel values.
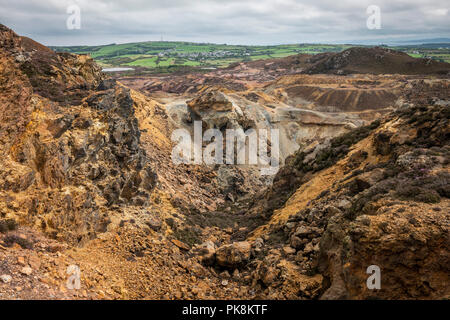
(9, 240)
(7, 225)
(188, 235)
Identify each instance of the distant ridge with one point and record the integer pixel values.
(377, 60)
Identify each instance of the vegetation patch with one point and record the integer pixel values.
(7, 225)
(11, 239)
(338, 149)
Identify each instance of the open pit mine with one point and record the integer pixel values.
(87, 178)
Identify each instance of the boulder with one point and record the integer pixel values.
(233, 255)
(26, 271)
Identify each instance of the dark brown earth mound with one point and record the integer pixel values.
(375, 61)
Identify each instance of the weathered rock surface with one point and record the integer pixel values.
(66, 165)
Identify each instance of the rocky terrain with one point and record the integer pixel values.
(87, 179)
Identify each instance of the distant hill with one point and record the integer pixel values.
(377, 60)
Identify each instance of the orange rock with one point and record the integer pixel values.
(180, 244)
(21, 260)
(35, 262)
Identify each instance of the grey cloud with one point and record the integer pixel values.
(225, 21)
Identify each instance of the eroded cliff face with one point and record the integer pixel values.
(71, 142)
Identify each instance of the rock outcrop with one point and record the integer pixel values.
(71, 141)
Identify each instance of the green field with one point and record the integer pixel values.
(160, 56)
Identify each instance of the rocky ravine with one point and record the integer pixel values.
(86, 179)
(375, 196)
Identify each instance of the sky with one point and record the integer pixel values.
(249, 22)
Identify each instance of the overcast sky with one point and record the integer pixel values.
(225, 21)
